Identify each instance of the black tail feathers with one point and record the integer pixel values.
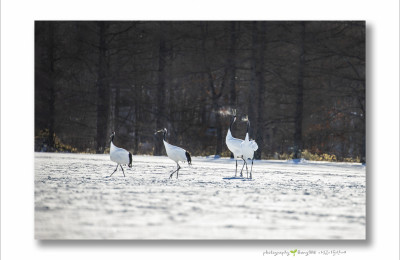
(189, 159)
(130, 160)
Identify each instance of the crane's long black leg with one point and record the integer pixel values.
(241, 172)
(236, 169)
(175, 171)
(114, 170)
(247, 171)
(170, 176)
(251, 167)
(122, 170)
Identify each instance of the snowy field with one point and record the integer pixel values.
(75, 199)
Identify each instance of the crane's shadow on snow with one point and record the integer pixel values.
(233, 178)
(237, 178)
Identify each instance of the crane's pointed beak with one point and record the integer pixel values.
(156, 132)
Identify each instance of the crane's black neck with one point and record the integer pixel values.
(165, 135)
(112, 138)
(232, 121)
(248, 126)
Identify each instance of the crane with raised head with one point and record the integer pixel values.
(234, 144)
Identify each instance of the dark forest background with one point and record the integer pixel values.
(302, 85)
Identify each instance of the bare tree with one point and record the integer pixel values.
(103, 90)
(298, 117)
(259, 30)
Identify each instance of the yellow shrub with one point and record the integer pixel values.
(316, 157)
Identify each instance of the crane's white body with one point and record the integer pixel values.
(119, 155)
(248, 148)
(175, 153)
(234, 144)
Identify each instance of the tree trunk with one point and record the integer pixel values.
(298, 141)
(363, 156)
(215, 97)
(138, 94)
(251, 98)
(52, 96)
(258, 55)
(116, 106)
(232, 65)
(103, 97)
(212, 90)
(162, 55)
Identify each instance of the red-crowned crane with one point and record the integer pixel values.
(119, 155)
(175, 153)
(234, 144)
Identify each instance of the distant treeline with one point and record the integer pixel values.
(302, 85)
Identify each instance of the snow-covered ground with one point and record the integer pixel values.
(75, 199)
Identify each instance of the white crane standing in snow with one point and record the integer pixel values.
(248, 148)
(175, 153)
(234, 144)
(119, 155)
